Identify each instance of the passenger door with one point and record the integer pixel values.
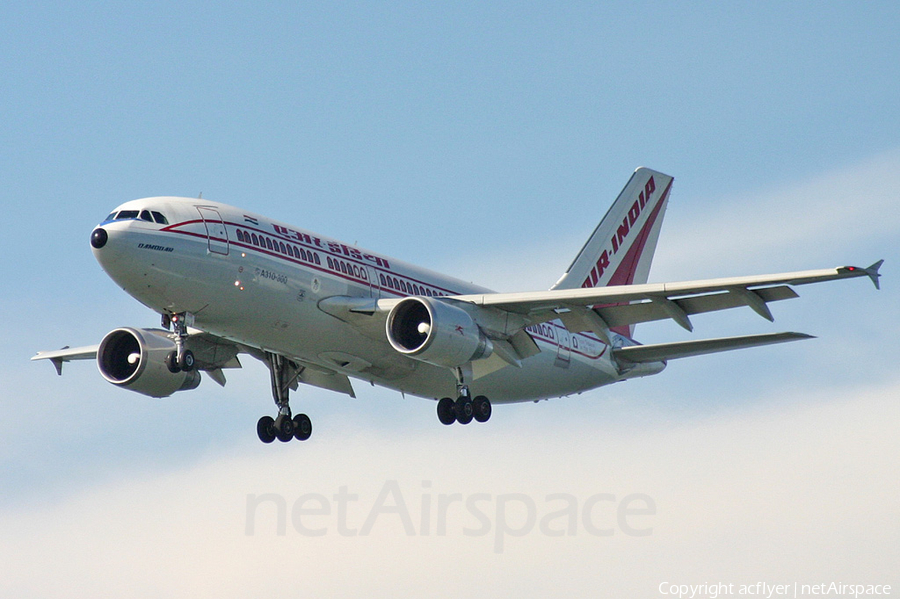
(216, 233)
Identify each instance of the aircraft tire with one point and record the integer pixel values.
(172, 362)
(284, 429)
(186, 363)
(463, 410)
(481, 408)
(265, 429)
(302, 427)
(445, 411)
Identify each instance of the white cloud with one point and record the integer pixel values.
(804, 493)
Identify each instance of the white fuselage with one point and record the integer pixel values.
(215, 262)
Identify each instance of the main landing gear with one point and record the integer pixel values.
(284, 427)
(464, 409)
(180, 359)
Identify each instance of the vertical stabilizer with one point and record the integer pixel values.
(620, 250)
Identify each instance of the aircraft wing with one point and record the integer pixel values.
(602, 308)
(213, 354)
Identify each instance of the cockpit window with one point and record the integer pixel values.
(146, 215)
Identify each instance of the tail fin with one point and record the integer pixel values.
(620, 250)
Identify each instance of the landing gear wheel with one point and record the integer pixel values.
(265, 428)
(284, 429)
(285, 373)
(464, 410)
(186, 361)
(445, 411)
(172, 362)
(481, 408)
(302, 427)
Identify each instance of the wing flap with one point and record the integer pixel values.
(330, 380)
(626, 314)
(685, 349)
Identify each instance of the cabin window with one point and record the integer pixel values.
(316, 256)
(268, 243)
(283, 249)
(381, 277)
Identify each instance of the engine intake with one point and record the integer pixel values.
(134, 359)
(436, 332)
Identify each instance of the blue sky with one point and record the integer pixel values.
(485, 141)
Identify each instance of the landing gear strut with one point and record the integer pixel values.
(464, 409)
(181, 358)
(284, 427)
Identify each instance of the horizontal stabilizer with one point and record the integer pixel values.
(686, 349)
(67, 354)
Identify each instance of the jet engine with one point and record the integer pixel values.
(134, 359)
(436, 332)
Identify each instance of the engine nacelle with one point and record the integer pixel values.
(134, 359)
(436, 332)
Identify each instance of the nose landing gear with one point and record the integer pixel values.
(180, 359)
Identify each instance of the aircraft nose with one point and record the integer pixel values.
(99, 238)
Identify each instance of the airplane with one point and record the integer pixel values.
(321, 312)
